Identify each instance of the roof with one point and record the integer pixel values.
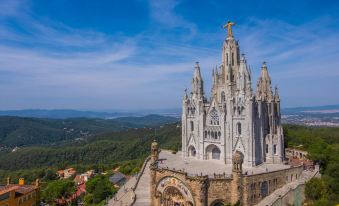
(117, 177)
(19, 189)
(6, 188)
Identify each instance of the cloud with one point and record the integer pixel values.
(48, 64)
(164, 13)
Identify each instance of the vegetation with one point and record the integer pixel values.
(125, 144)
(98, 189)
(18, 131)
(58, 189)
(103, 149)
(322, 145)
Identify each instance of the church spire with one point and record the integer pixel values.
(276, 94)
(197, 82)
(264, 88)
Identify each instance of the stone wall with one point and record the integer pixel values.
(207, 191)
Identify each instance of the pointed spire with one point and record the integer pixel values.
(276, 94)
(197, 74)
(264, 88)
(197, 82)
(185, 95)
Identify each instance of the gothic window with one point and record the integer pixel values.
(219, 134)
(232, 59)
(223, 98)
(239, 128)
(205, 134)
(214, 117)
(275, 149)
(192, 126)
(266, 148)
(226, 58)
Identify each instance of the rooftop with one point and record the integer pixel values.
(117, 177)
(195, 167)
(19, 189)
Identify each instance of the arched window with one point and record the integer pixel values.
(214, 117)
(232, 59)
(239, 128)
(226, 58)
(192, 126)
(275, 149)
(264, 189)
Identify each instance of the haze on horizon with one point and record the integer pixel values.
(140, 54)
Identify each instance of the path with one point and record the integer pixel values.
(142, 192)
(133, 189)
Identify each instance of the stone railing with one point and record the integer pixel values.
(134, 198)
(192, 175)
(300, 168)
(128, 196)
(141, 172)
(290, 193)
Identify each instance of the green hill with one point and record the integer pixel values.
(19, 131)
(102, 149)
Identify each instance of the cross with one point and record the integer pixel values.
(229, 25)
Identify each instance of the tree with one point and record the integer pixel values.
(98, 189)
(315, 189)
(58, 189)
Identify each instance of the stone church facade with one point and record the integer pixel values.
(232, 144)
(235, 118)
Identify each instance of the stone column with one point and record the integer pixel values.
(154, 159)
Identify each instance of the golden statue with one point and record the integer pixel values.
(229, 28)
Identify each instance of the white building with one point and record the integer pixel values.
(235, 118)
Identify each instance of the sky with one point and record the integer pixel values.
(130, 55)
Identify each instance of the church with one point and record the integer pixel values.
(235, 118)
(232, 143)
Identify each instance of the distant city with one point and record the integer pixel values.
(309, 116)
(312, 116)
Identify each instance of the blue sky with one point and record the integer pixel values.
(106, 55)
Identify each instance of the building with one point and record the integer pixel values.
(235, 118)
(83, 178)
(118, 179)
(232, 144)
(19, 194)
(66, 173)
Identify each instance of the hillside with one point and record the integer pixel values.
(19, 131)
(102, 149)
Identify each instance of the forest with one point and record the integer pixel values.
(127, 147)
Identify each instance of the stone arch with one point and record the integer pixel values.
(174, 192)
(191, 151)
(218, 203)
(213, 152)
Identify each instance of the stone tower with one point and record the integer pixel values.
(154, 151)
(236, 185)
(234, 118)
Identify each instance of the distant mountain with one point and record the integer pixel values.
(62, 113)
(22, 131)
(69, 113)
